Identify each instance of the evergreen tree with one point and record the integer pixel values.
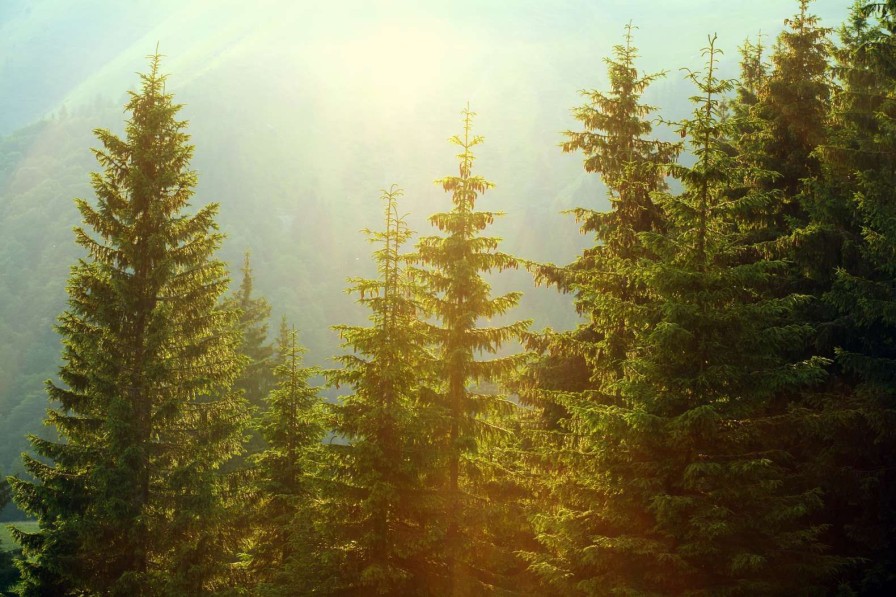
(611, 298)
(283, 556)
(615, 145)
(257, 379)
(458, 297)
(787, 109)
(128, 500)
(388, 472)
(794, 105)
(854, 441)
(699, 496)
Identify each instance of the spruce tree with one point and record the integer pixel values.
(387, 473)
(9, 575)
(855, 441)
(285, 546)
(459, 297)
(128, 500)
(257, 379)
(788, 109)
(700, 496)
(611, 299)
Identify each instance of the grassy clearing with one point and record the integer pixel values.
(6, 542)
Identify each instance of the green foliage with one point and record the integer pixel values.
(9, 574)
(858, 409)
(580, 370)
(284, 550)
(257, 379)
(129, 500)
(721, 421)
(703, 498)
(389, 471)
(458, 297)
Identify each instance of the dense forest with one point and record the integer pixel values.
(718, 420)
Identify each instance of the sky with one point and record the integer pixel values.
(302, 111)
(396, 54)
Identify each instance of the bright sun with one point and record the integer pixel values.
(393, 62)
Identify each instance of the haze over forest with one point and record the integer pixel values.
(300, 113)
(589, 297)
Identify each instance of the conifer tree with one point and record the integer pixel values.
(9, 575)
(795, 102)
(615, 145)
(700, 498)
(855, 441)
(788, 114)
(285, 547)
(128, 500)
(388, 472)
(257, 379)
(458, 297)
(611, 298)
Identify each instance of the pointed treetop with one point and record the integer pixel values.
(629, 28)
(246, 284)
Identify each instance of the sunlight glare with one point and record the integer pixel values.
(394, 63)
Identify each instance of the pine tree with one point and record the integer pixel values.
(789, 115)
(458, 297)
(388, 471)
(854, 440)
(257, 379)
(615, 145)
(128, 500)
(794, 104)
(700, 496)
(285, 547)
(611, 298)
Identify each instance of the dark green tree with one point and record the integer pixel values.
(388, 471)
(616, 146)
(9, 574)
(783, 122)
(854, 443)
(579, 370)
(793, 104)
(129, 500)
(285, 546)
(459, 298)
(257, 379)
(699, 494)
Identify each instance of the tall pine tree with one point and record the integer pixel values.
(128, 500)
(459, 297)
(702, 498)
(611, 298)
(284, 553)
(257, 379)
(855, 443)
(388, 472)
